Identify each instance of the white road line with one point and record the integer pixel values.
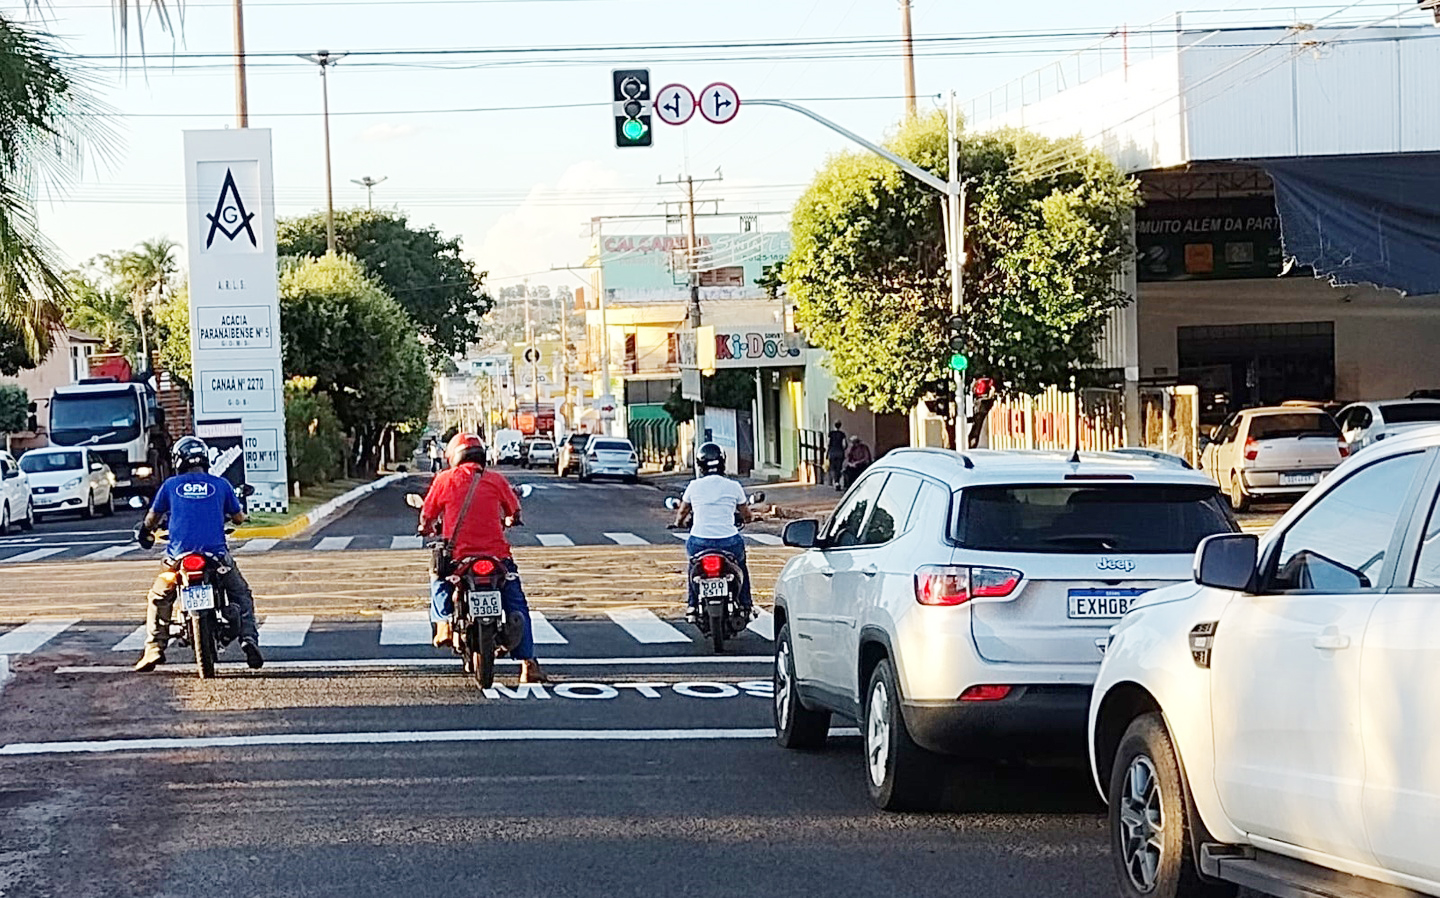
(626, 539)
(183, 743)
(764, 539)
(334, 543)
(679, 534)
(437, 661)
(263, 544)
(407, 542)
(28, 637)
(110, 552)
(5, 674)
(405, 628)
(645, 627)
(32, 555)
(764, 625)
(285, 630)
(566, 486)
(132, 643)
(543, 631)
(554, 539)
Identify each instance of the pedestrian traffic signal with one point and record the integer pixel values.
(632, 107)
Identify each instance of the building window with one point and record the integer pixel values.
(632, 361)
(672, 349)
(730, 276)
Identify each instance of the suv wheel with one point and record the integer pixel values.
(796, 726)
(900, 775)
(1149, 837)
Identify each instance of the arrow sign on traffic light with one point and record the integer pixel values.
(674, 104)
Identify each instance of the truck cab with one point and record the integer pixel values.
(121, 423)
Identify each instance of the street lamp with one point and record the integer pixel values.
(324, 59)
(369, 184)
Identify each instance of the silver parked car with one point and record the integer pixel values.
(609, 457)
(1277, 452)
(1363, 423)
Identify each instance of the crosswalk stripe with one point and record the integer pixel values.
(407, 542)
(334, 543)
(285, 630)
(33, 555)
(764, 539)
(264, 544)
(544, 632)
(405, 628)
(131, 643)
(29, 636)
(645, 627)
(763, 625)
(109, 552)
(626, 539)
(554, 539)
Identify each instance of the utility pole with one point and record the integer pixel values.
(242, 101)
(369, 184)
(908, 53)
(692, 266)
(325, 60)
(955, 255)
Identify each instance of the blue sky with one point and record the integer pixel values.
(520, 186)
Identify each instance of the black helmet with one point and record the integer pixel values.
(710, 459)
(188, 453)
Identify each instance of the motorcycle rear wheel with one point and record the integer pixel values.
(482, 658)
(717, 631)
(202, 638)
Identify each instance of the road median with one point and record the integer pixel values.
(294, 526)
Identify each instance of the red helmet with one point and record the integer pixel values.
(465, 447)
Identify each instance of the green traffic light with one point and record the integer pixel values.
(633, 129)
(958, 362)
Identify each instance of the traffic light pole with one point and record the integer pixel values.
(954, 193)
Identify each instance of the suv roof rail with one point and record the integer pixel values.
(935, 450)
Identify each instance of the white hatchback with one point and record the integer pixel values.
(69, 479)
(15, 505)
(953, 602)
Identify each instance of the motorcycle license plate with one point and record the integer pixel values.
(197, 598)
(714, 588)
(485, 604)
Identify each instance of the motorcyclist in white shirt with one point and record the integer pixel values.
(710, 505)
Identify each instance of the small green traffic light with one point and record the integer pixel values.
(633, 129)
(958, 362)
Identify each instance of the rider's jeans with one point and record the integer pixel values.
(734, 546)
(512, 598)
(162, 603)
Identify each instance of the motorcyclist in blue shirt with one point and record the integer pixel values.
(198, 504)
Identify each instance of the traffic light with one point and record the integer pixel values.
(632, 107)
(955, 339)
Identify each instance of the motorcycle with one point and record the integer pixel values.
(718, 578)
(480, 627)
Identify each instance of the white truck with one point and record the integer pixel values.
(506, 448)
(120, 422)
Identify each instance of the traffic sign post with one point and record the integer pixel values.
(674, 104)
(719, 103)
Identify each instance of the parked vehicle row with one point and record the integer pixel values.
(589, 456)
(53, 480)
(1257, 712)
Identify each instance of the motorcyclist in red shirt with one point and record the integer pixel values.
(493, 506)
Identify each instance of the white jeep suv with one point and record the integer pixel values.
(1276, 722)
(953, 602)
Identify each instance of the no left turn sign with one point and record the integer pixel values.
(674, 104)
(719, 103)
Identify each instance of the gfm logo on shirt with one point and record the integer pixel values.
(195, 491)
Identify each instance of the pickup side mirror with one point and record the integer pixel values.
(1227, 561)
(247, 490)
(756, 497)
(96, 466)
(802, 534)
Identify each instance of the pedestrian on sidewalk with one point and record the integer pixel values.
(436, 457)
(835, 450)
(857, 459)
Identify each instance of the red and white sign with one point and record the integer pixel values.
(674, 104)
(719, 103)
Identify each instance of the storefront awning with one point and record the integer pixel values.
(1362, 219)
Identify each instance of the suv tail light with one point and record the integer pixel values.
(1344, 449)
(986, 693)
(954, 585)
(594, 457)
(1252, 449)
(711, 565)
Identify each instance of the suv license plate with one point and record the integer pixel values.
(197, 598)
(485, 604)
(714, 588)
(1299, 479)
(1101, 603)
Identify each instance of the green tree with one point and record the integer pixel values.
(14, 408)
(1045, 237)
(340, 327)
(172, 333)
(425, 272)
(726, 388)
(96, 307)
(314, 441)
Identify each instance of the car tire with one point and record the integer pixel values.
(89, 512)
(27, 523)
(1239, 501)
(1149, 823)
(796, 726)
(109, 509)
(899, 774)
(5, 519)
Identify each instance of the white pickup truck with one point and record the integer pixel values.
(1276, 723)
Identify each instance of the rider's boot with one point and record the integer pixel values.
(253, 658)
(530, 672)
(154, 655)
(442, 634)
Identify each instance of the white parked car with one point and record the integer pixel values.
(1277, 452)
(15, 505)
(1363, 423)
(609, 457)
(66, 478)
(540, 453)
(1275, 722)
(952, 603)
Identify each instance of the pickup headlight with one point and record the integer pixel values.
(71, 483)
(143, 471)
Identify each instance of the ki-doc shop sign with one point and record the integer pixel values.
(757, 348)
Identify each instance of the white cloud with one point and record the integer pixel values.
(549, 227)
(386, 131)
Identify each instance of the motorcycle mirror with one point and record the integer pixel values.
(525, 490)
(137, 502)
(757, 497)
(414, 500)
(247, 490)
(672, 503)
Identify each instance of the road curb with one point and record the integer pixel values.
(319, 513)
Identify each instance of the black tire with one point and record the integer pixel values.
(1238, 500)
(27, 523)
(5, 519)
(109, 509)
(717, 632)
(796, 726)
(483, 656)
(1146, 789)
(899, 775)
(202, 638)
(89, 512)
